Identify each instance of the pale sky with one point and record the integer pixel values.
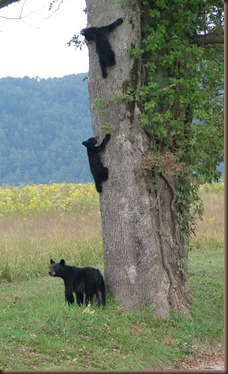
(36, 46)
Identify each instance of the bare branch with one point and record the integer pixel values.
(210, 39)
(50, 8)
(22, 16)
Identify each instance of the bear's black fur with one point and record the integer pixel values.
(99, 172)
(103, 47)
(86, 280)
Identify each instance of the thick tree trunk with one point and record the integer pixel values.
(143, 251)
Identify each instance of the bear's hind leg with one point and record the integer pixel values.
(79, 298)
(103, 68)
(98, 186)
(69, 297)
(100, 298)
(105, 174)
(88, 299)
(89, 293)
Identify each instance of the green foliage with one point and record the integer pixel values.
(101, 102)
(175, 81)
(107, 127)
(181, 97)
(42, 125)
(122, 4)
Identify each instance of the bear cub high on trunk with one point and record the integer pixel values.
(103, 47)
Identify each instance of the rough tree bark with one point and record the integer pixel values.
(143, 252)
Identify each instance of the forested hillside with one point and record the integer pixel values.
(42, 125)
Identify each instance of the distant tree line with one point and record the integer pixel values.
(42, 125)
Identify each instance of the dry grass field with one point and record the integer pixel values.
(38, 222)
(211, 227)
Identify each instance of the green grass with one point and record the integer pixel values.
(39, 331)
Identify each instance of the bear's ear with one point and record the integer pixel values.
(62, 262)
(51, 261)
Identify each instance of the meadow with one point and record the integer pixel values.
(39, 331)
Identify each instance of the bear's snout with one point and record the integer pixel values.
(52, 273)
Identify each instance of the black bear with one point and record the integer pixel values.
(99, 172)
(86, 280)
(103, 47)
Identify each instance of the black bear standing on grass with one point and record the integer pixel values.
(99, 172)
(86, 280)
(103, 47)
